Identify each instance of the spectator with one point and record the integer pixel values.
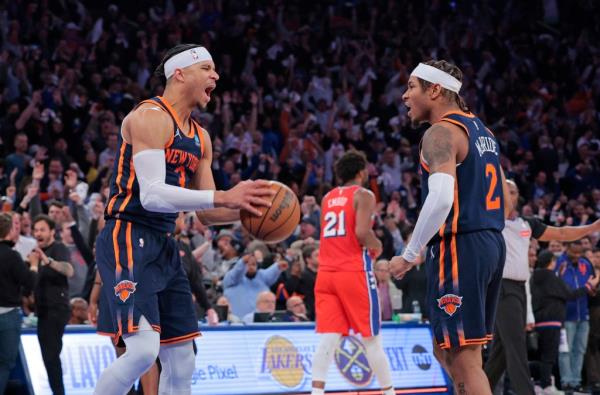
(51, 297)
(309, 228)
(245, 281)
(390, 297)
(265, 303)
(23, 244)
(194, 274)
(79, 311)
(310, 254)
(228, 249)
(549, 297)
(413, 286)
(223, 302)
(573, 269)
(592, 357)
(14, 276)
(296, 309)
(19, 160)
(80, 255)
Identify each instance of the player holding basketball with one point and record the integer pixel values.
(461, 222)
(163, 167)
(345, 290)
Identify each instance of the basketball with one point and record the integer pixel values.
(277, 222)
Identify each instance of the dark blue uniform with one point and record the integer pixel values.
(465, 259)
(138, 260)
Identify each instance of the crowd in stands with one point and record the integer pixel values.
(298, 87)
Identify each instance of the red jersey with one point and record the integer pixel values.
(339, 249)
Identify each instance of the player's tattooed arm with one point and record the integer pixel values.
(439, 149)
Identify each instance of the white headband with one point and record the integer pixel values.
(437, 76)
(185, 59)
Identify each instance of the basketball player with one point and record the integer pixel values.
(346, 290)
(163, 167)
(461, 221)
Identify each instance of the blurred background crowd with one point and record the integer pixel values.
(298, 87)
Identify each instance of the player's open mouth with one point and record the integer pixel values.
(208, 90)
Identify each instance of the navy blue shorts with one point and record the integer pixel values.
(464, 274)
(142, 274)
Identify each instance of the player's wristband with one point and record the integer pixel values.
(156, 195)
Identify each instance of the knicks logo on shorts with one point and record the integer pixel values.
(124, 289)
(450, 303)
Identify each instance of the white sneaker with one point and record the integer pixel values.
(551, 390)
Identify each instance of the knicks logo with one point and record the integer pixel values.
(124, 289)
(450, 303)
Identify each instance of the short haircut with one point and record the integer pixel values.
(5, 224)
(46, 219)
(308, 250)
(160, 69)
(349, 165)
(56, 203)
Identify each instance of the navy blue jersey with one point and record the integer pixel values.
(478, 195)
(183, 153)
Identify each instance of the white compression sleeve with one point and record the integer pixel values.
(142, 350)
(156, 195)
(434, 212)
(178, 363)
(379, 362)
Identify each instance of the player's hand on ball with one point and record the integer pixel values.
(399, 267)
(248, 195)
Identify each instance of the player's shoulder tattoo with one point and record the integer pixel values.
(437, 145)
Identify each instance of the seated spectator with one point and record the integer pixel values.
(296, 310)
(223, 302)
(549, 296)
(245, 281)
(79, 312)
(265, 303)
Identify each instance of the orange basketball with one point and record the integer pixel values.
(277, 222)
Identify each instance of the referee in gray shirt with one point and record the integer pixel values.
(509, 348)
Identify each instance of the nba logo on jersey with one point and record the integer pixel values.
(124, 289)
(450, 303)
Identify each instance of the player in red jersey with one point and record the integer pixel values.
(346, 290)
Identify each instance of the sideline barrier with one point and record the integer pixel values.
(255, 359)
